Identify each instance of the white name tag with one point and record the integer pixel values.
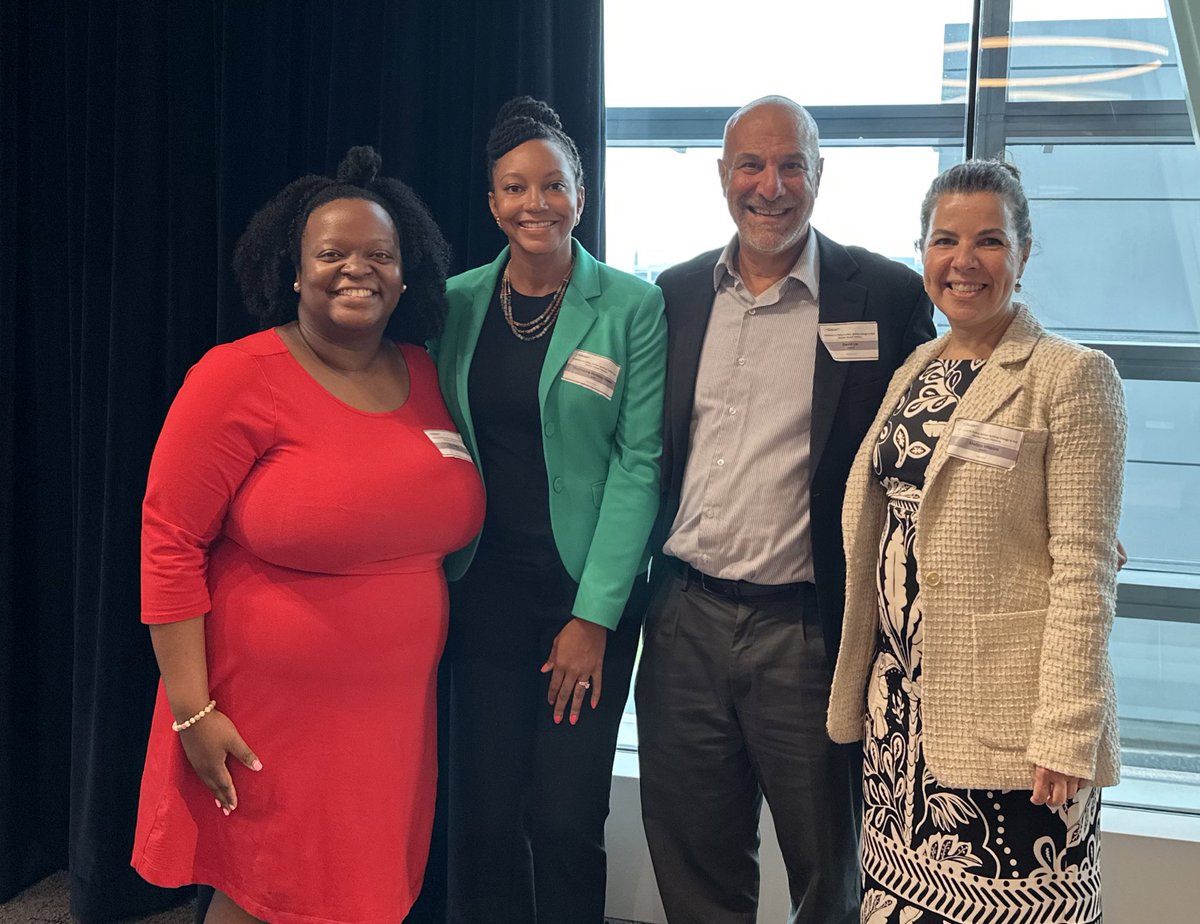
(851, 342)
(989, 444)
(593, 371)
(449, 444)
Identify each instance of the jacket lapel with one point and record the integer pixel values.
(840, 300)
(996, 384)
(688, 312)
(481, 297)
(575, 319)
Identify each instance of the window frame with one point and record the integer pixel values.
(986, 121)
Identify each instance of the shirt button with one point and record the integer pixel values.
(720, 461)
(549, 429)
(752, 311)
(733, 410)
(709, 513)
(741, 360)
(558, 486)
(933, 579)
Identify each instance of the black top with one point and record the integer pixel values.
(905, 445)
(503, 391)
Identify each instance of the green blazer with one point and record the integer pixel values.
(602, 454)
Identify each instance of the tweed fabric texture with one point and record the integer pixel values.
(1017, 571)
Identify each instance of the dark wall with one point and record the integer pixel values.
(136, 139)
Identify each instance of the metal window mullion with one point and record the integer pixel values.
(987, 131)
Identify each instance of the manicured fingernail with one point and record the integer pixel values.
(225, 810)
(574, 719)
(257, 765)
(217, 802)
(558, 720)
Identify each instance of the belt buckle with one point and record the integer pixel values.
(720, 587)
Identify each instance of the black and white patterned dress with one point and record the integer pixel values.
(932, 854)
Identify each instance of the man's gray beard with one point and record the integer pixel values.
(769, 242)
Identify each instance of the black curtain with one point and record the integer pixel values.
(136, 139)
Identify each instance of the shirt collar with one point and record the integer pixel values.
(806, 269)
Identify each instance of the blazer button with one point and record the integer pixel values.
(549, 428)
(932, 579)
(558, 486)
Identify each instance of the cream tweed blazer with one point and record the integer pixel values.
(1017, 572)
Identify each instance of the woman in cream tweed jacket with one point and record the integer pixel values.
(980, 531)
(1018, 571)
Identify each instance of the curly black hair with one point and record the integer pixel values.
(267, 255)
(522, 119)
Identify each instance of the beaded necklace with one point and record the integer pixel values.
(535, 329)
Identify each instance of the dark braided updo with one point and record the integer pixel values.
(522, 119)
(267, 256)
(977, 175)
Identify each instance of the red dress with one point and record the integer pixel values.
(312, 534)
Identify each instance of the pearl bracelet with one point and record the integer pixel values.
(180, 726)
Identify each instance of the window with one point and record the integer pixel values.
(1088, 99)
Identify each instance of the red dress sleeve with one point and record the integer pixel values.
(221, 422)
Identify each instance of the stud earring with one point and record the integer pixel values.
(1017, 286)
(296, 286)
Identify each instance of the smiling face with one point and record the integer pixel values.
(972, 260)
(536, 198)
(770, 172)
(350, 272)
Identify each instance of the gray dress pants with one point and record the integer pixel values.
(731, 702)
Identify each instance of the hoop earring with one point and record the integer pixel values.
(1017, 286)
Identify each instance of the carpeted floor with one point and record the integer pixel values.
(49, 901)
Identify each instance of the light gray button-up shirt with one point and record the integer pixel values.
(744, 507)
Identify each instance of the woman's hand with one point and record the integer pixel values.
(1052, 789)
(207, 744)
(180, 650)
(576, 663)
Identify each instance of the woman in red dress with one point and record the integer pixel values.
(306, 486)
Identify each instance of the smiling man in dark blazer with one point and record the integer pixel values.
(780, 348)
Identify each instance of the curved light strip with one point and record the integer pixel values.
(1051, 41)
(1061, 80)
(1060, 41)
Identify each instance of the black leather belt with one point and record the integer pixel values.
(746, 591)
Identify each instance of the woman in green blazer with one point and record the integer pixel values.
(552, 366)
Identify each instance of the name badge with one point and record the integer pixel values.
(449, 444)
(989, 444)
(851, 342)
(594, 372)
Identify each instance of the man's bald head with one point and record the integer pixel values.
(806, 125)
(770, 170)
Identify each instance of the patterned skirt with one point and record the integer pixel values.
(931, 854)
